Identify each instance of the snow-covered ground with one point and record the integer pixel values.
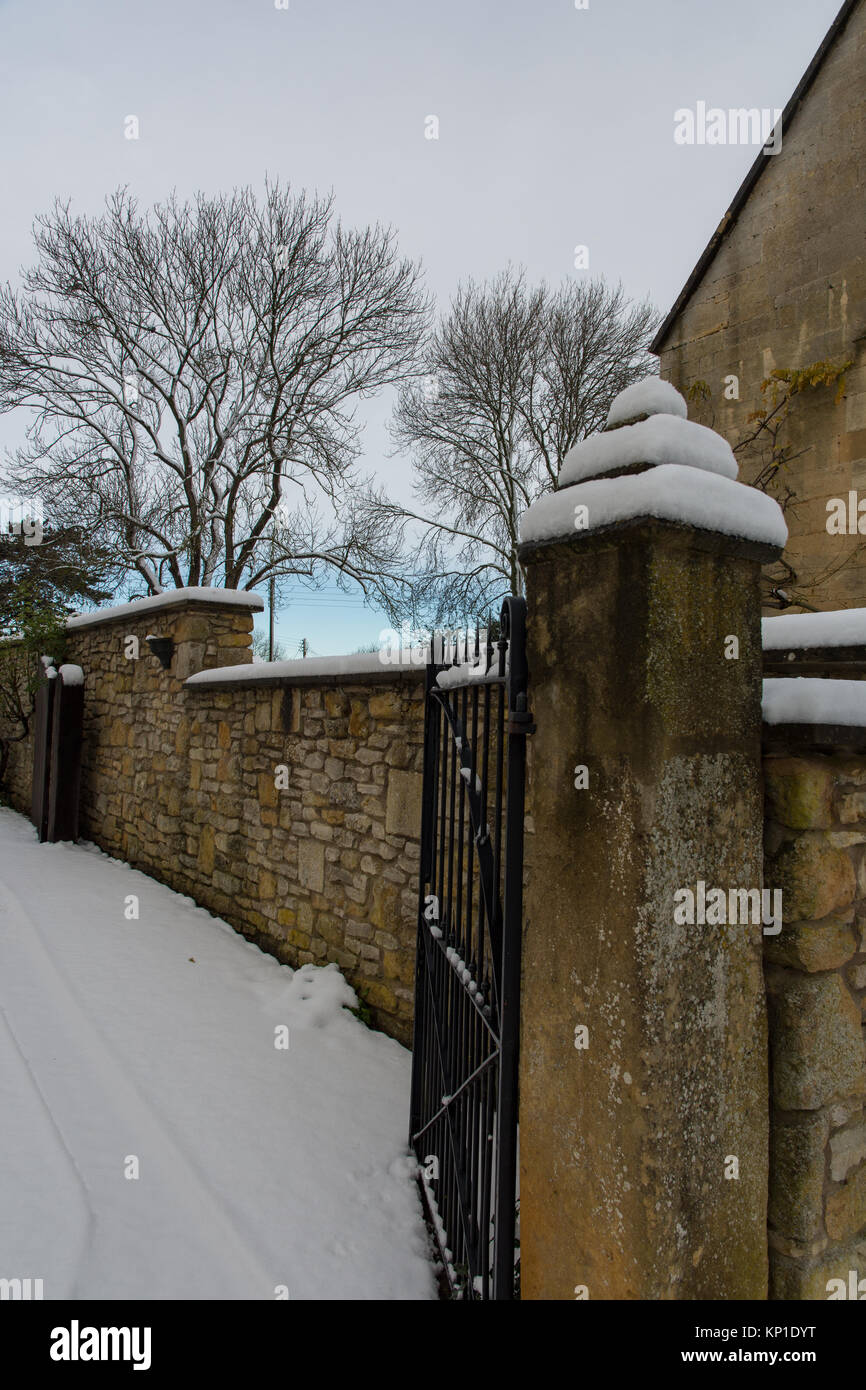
(154, 1039)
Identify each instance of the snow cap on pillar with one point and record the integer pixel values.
(647, 425)
(652, 396)
(651, 461)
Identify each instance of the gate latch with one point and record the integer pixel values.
(520, 718)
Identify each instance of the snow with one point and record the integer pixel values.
(231, 598)
(358, 664)
(71, 675)
(661, 439)
(841, 628)
(154, 1038)
(670, 493)
(814, 700)
(652, 396)
(472, 673)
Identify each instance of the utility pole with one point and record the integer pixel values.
(271, 596)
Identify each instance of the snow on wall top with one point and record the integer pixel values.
(814, 700)
(358, 664)
(71, 674)
(172, 598)
(670, 492)
(845, 628)
(658, 440)
(652, 396)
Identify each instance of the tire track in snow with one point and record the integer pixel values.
(68, 1246)
(178, 1243)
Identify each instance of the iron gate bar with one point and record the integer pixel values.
(519, 724)
(464, 1205)
(464, 1066)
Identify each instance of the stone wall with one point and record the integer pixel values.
(787, 288)
(313, 863)
(816, 982)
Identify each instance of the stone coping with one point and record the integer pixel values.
(652, 528)
(197, 599)
(802, 660)
(819, 738)
(221, 679)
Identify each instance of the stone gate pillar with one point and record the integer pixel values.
(643, 1085)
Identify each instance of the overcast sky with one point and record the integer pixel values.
(555, 130)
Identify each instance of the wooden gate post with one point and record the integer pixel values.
(643, 1081)
(66, 742)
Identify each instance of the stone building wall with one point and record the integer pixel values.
(816, 982)
(184, 782)
(786, 288)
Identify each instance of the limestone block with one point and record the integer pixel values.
(851, 808)
(815, 878)
(798, 793)
(797, 1176)
(812, 946)
(267, 886)
(189, 658)
(808, 1280)
(403, 807)
(847, 1149)
(268, 793)
(846, 1208)
(311, 865)
(385, 706)
(233, 656)
(857, 976)
(206, 850)
(191, 627)
(380, 996)
(816, 1042)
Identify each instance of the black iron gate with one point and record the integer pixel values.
(467, 978)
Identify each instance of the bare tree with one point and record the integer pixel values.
(192, 375)
(513, 377)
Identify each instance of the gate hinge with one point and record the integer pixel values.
(520, 722)
(520, 718)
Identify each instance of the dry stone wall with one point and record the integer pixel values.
(292, 810)
(816, 981)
